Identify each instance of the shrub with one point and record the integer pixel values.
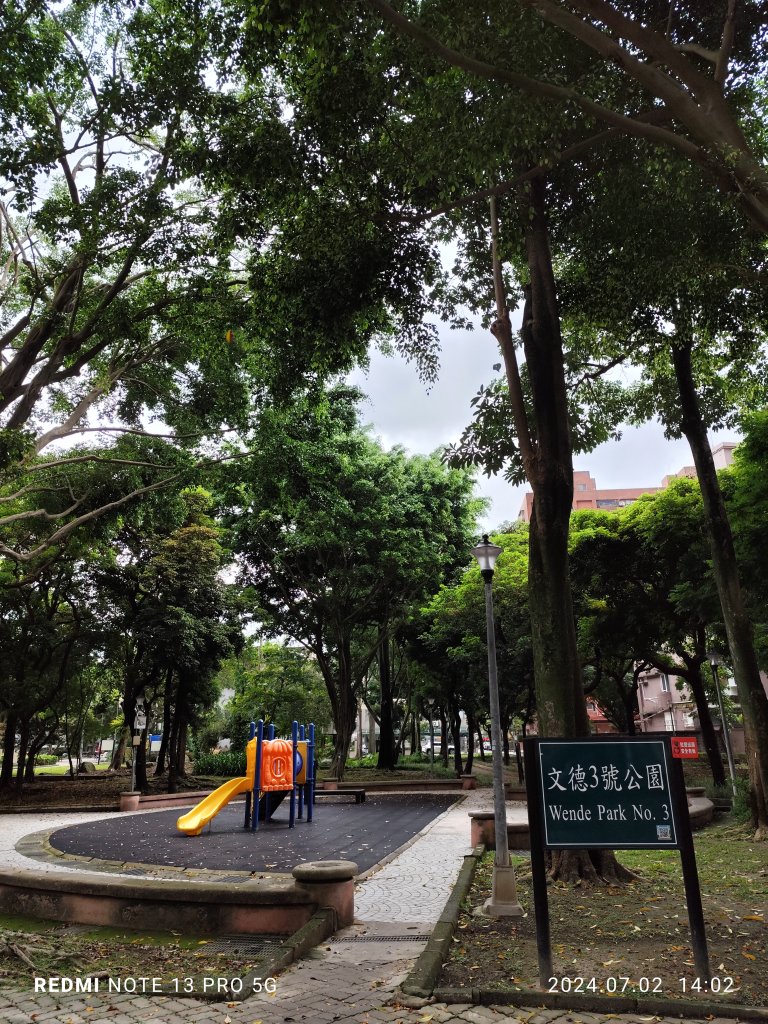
(227, 764)
(44, 759)
(742, 804)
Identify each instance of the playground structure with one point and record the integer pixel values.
(274, 769)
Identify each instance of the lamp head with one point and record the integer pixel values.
(486, 555)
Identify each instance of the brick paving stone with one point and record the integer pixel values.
(439, 1013)
(480, 1015)
(512, 1013)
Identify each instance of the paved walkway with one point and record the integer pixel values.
(351, 979)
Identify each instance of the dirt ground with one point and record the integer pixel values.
(633, 939)
(96, 789)
(49, 948)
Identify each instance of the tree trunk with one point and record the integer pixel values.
(481, 745)
(505, 720)
(629, 712)
(470, 742)
(9, 745)
(22, 758)
(173, 743)
(738, 627)
(559, 694)
(456, 734)
(181, 766)
(692, 676)
(560, 705)
(162, 753)
(443, 738)
(178, 750)
(387, 757)
(344, 707)
(118, 754)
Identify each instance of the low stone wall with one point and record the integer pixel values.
(272, 905)
(134, 801)
(482, 828)
(404, 785)
(483, 832)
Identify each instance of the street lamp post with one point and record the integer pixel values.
(503, 901)
(714, 661)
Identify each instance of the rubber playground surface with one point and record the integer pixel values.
(364, 833)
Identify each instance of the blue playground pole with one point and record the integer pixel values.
(301, 788)
(294, 744)
(257, 775)
(311, 771)
(249, 795)
(268, 796)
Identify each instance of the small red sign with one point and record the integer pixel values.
(685, 746)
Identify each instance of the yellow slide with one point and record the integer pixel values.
(194, 821)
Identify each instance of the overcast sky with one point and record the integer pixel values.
(402, 411)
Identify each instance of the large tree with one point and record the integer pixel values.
(664, 275)
(337, 537)
(122, 294)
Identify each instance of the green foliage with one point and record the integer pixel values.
(227, 764)
(277, 684)
(46, 759)
(339, 539)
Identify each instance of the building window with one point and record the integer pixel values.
(669, 721)
(581, 487)
(664, 682)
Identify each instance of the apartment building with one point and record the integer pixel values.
(664, 703)
(586, 493)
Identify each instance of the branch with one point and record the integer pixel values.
(726, 45)
(699, 51)
(63, 532)
(502, 331)
(39, 467)
(536, 87)
(598, 370)
(654, 45)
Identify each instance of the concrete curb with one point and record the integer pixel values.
(425, 972)
(112, 808)
(599, 1004)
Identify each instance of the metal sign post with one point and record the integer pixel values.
(139, 724)
(616, 794)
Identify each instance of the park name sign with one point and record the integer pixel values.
(608, 794)
(611, 794)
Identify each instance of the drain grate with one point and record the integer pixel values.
(248, 945)
(420, 937)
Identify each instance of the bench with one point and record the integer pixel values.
(358, 794)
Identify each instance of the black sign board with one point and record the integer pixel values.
(610, 794)
(607, 793)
